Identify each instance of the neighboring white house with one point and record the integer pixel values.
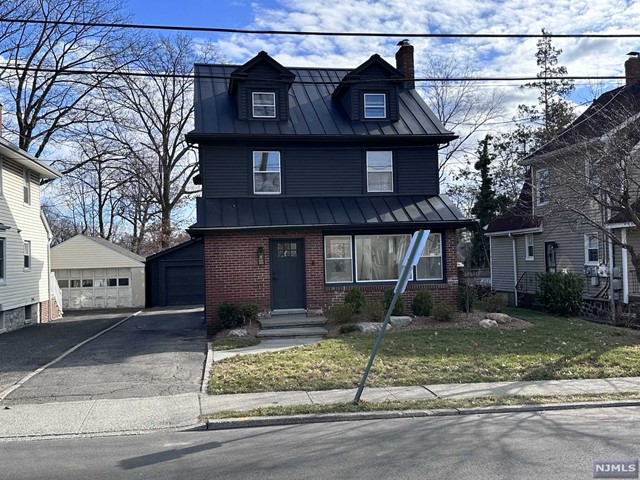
(26, 293)
(94, 273)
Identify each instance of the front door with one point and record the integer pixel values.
(287, 274)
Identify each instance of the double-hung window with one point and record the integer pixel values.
(542, 184)
(26, 187)
(591, 252)
(375, 105)
(264, 104)
(528, 245)
(338, 259)
(379, 172)
(26, 247)
(266, 172)
(430, 264)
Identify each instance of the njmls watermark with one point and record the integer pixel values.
(615, 469)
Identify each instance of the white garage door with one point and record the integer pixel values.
(95, 288)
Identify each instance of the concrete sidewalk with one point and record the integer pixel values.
(136, 415)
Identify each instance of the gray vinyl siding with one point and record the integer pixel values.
(537, 264)
(502, 264)
(311, 171)
(417, 171)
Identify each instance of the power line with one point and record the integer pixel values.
(318, 33)
(129, 73)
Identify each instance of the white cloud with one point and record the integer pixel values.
(494, 57)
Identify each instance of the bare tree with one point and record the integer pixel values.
(43, 73)
(462, 106)
(149, 117)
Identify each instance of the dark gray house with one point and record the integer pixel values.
(314, 179)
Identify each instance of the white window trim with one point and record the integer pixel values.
(527, 237)
(586, 249)
(442, 265)
(384, 105)
(538, 176)
(253, 172)
(354, 261)
(1, 177)
(253, 105)
(350, 258)
(24, 244)
(390, 170)
(26, 183)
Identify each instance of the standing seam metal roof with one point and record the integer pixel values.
(380, 211)
(312, 110)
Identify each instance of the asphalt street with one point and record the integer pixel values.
(527, 446)
(159, 352)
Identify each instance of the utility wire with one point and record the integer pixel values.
(318, 33)
(118, 72)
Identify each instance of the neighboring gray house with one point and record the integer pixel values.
(560, 220)
(25, 289)
(94, 273)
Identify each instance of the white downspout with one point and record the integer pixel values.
(625, 268)
(611, 276)
(515, 270)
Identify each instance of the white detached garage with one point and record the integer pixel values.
(94, 273)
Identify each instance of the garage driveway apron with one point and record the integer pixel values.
(158, 352)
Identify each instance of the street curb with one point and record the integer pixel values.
(246, 422)
(208, 364)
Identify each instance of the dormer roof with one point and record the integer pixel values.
(243, 72)
(376, 62)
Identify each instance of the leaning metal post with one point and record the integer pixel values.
(415, 246)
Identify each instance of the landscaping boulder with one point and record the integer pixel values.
(315, 312)
(487, 323)
(370, 327)
(501, 318)
(237, 333)
(397, 322)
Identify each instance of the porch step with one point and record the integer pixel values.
(292, 332)
(292, 321)
(292, 325)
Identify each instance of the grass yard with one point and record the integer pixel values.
(554, 348)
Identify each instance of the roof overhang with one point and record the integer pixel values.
(508, 233)
(12, 152)
(230, 138)
(612, 226)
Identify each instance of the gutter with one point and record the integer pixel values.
(515, 269)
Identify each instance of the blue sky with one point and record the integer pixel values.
(503, 57)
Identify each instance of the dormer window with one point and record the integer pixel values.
(264, 104)
(375, 105)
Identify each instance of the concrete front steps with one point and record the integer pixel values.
(292, 326)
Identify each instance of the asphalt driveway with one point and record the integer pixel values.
(158, 352)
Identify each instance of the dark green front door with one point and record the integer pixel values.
(287, 274)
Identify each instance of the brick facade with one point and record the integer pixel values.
(49, 311)
(232, 273)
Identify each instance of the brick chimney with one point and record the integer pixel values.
(404, 62)
(632, 68)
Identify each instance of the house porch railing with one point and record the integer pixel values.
(56, 292)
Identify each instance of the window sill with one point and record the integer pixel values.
(529, 259)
